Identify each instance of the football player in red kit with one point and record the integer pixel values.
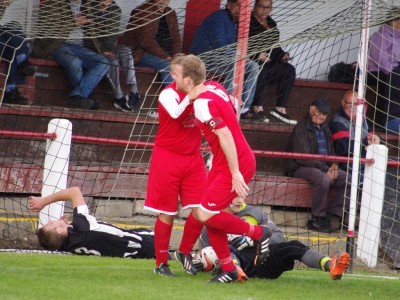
(232, 168)
(177, 170)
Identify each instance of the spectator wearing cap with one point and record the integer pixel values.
(311, 135)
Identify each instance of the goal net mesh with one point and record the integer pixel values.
(110, 165)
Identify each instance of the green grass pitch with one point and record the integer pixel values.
(40, 276)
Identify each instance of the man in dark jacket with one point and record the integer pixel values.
(343, 127)
(312, 135)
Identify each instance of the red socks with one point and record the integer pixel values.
(191, 233)
(219, 241)
(218, 226)
(162, 236)
(229, 223)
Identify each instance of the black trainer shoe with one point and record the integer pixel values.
(186, 262)
(248, 115)
(122, 104)
(77, 101)
(164, 270)
(260, 117)
(14, 97)
(25, 68)
(225, 277)
(283, 117)
(96, 103)
(134, 101)
(320, 224)
(262, 246)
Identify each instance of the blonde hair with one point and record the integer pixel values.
(192, 67)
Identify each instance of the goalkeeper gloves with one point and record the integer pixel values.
(240, 242)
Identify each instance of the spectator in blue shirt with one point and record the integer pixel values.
(219, 31)
(311, 135)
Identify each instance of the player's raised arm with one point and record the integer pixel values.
(72, 194)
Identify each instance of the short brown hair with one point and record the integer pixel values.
(192, 67)
(50, 239)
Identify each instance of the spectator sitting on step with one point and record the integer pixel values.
(282, 253)
(153, 36)
(219, 31)
(84, 67)
(311, 135)
(14, 53)
(384, 63)
(343, 126)
(275, 68)
(106, 16)
(85, 235)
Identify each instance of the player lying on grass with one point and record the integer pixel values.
(282, 254)
(86, 235)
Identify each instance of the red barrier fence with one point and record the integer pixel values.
(141, 144)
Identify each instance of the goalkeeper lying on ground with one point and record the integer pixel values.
(282, 254)
(85, 235)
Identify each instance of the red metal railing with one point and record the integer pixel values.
(141, 144)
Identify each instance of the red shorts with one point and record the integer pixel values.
(173, 176)
(219, 187)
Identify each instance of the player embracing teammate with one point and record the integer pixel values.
(232, 168)
(177, 172)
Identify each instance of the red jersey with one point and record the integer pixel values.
(177, 130)
(214, 110)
